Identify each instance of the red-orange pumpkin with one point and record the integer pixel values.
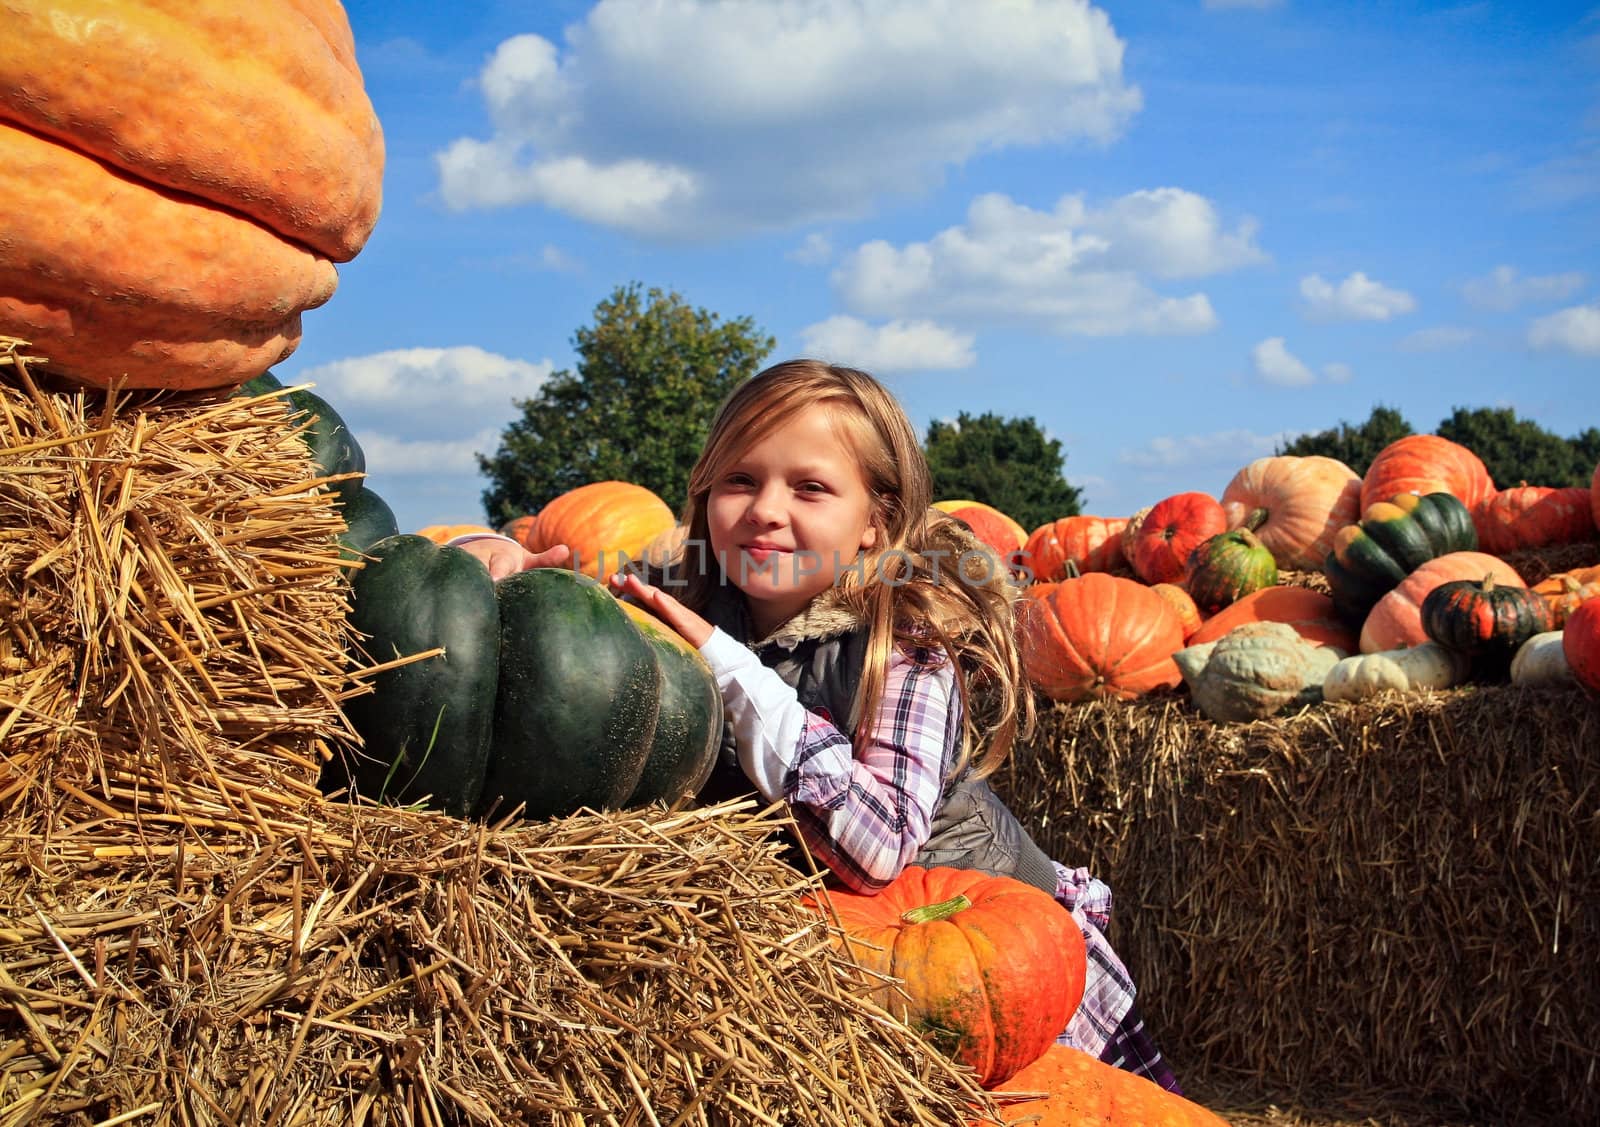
(601, 522)
(988, 524)
(518, 528)
(1098, 636)
(1173, 528)
(1303, 502)
(1089, 543)
(177, 182)
(1309, 612)
(992, 968)
(1396, 621)
(1580, 642)
(1423, 464)
(1081, 1091)
(1532, 516)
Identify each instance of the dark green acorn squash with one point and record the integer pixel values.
(333, 447)
(589, 703)
(1392, 539)
(368, 519)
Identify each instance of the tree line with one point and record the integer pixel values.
(651, 371)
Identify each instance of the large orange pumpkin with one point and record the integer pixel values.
(1532, 516)
(1089, 543)
(992, 968)
(988, 524)
(176, 182)
(1080, 1091)
(1302, 501)
(1423, 464)
(601, 522)
(1098, 636)
(1309, 612)
(1396, 621)
(444, 533)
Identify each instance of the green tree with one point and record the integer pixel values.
(1515, 450)
(651, 373)
(1354, 446)
(1006, 463)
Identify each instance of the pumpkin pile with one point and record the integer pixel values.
(1406, 578)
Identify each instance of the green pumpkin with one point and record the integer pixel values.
(1481, 618)
(334, 449)
(551, 695)
(1226, 568)
(368, 519)
(1392, 539)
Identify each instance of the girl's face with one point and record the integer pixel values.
(788, 515)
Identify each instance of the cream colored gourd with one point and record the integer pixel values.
(1425, 666)
(1255, 671)
(1542, 660)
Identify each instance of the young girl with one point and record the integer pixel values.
(865, 651)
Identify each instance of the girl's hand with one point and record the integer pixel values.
(695, 630)
(504, 556)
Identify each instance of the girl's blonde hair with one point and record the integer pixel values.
(906, 588)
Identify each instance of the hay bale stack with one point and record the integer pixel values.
(1397, 895)
(191, 933)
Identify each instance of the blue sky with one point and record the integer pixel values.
(1174, 232)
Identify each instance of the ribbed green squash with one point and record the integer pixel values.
(333, 447)
(1226, 567)
(590, 703)
(368, 519)
(1393, 539)
(426, 726)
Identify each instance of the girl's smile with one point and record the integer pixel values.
(789, 515)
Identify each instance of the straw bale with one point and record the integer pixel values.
(1397, 895)
(191, 933)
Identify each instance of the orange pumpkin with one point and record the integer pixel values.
(1532, 516)
(444, 533)
(175, 185)
(518, 528)
(1302, 501)
(1309, 612)
(1080, 1090)
(1580, 643)
(1173, 528)
(601, 522)
(988, 524)
(992, 968)
(1565, 591)
(1089, 543)
(1396, 621)
(1423, 464)
(1099, 635)
(1181, 601)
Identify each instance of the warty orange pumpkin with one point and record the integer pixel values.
(176, 182)
(992, 968)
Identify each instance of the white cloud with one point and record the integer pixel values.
(1436, 339)
(1357, 298)
(437, 389)
(1576, 330)
(893, 347)
(817, 250)
(1228, 447)
(394, 456)
(1073, 269)
(1338, 372)
(702, 117)
(1275, 364)
(1502, 290)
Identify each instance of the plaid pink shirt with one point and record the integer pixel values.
(866, 812)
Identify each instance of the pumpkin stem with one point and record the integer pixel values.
(1488, 583)
(1256, 519)
(943, 910)
(1072, 571)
